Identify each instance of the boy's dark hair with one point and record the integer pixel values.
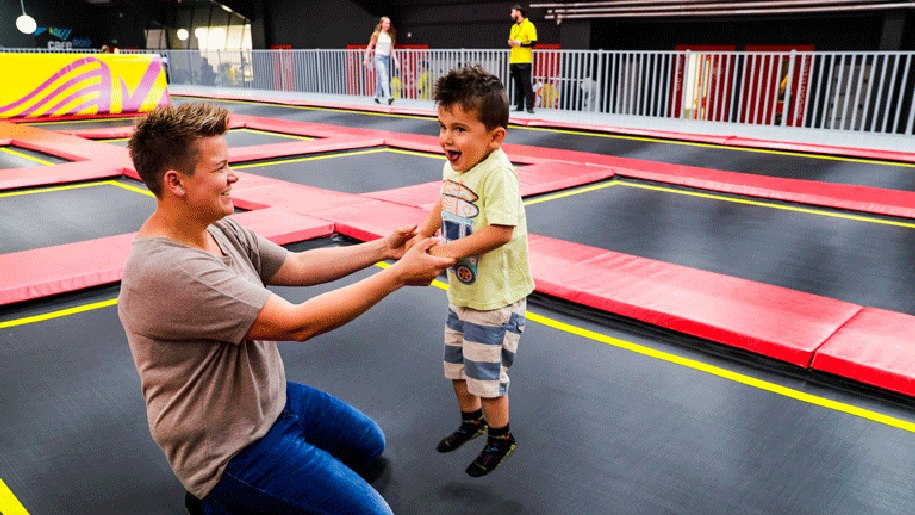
(166, 140)
(474, 89)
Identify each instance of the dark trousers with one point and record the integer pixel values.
(524, 89)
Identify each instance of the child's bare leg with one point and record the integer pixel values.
(466, 401)
(496, 410)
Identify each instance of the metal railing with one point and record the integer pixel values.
(864, 92)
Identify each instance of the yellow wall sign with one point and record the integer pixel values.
(61, 84)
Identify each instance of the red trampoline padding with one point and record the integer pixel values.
(372, 220)
(281, 226)
(43, 272)
(32, 274)
(11, 178)
(68, 147)
(876, 347)
(102, 133)
(424, 196)
(783, 324)
(549, 176)
(317, 130)
(297, 198)
(295, 148)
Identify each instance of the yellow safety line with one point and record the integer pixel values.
(77, 186)
(9, 505)
(342, 154)
(712, 369)
(569, 193)
(133, 189)
(597, 134)
(819, 212)
(595, 336)
(57, 314)
(278, 134)
(726, 374)
(26, 156)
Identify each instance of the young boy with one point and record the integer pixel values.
(483, 226)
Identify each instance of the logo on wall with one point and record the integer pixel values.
(62, 36)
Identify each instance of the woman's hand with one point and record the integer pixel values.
(419, 267)
(396, 244)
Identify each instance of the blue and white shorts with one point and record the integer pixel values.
(480, 346)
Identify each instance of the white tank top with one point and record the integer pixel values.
(383, 44)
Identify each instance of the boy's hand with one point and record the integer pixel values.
(414, 240)
(396, 244)
(418, 267)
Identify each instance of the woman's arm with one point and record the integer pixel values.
(368, 48)
(282, 320)
(323, 265)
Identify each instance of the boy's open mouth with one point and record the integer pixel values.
(452, 155)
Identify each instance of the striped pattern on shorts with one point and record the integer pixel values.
(480, 346)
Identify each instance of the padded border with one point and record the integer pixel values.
(875, 347)
(43, 272)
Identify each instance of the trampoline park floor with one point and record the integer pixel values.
(610, 417)
(16, 157)
(611, 414)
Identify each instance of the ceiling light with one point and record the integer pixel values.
(25, 23)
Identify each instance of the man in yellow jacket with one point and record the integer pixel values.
(521, 39)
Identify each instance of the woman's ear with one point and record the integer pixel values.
(172, 182)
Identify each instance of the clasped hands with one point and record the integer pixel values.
(415, 265)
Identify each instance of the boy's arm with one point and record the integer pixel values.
(486, 239)
(432, 223)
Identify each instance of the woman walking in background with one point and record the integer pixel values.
(383, 40)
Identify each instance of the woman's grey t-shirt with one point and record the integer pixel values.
(209, 392)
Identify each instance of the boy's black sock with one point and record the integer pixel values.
(499, 445)
(472, 425)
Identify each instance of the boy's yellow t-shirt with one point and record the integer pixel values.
(487, 194)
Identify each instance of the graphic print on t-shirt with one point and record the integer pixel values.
(458, 211)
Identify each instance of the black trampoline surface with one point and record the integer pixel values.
(357, 171)
(238, 138)
(600, 429)
(831, 169)
(47, 216)
(89, 123)
(862, 259)
(18, 157)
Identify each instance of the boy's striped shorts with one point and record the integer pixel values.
(480, 346)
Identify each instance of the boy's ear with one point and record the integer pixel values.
(497, 136)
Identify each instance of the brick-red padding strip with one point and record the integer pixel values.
(12, 178)
(372, 220)
(773, 321)
(876, 347)
(43, 272)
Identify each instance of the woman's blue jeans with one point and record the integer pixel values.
(383, 76)
(306, 463)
